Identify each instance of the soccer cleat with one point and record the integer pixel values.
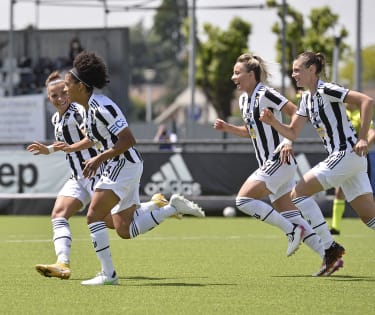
(294, 239)
(332, 260)
(334, 231)
(102, 279)
(184, 206)
(161, 201)
(58, 270)
(338, 264)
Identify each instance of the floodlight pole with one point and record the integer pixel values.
(283, 47)
(192, 47)
(11, 49)
(358, 57)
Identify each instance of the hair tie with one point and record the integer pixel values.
(74, 72)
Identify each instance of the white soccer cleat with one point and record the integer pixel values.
(294, 239)
(184, 206)
(102, 279)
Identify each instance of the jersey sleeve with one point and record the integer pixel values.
(273, 99)
(116, 121)
(335, 92)
(302, 108)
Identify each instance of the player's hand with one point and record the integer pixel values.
(91, 166)
(37, 148)
(219, 124)
(286, 153)
(266, 116)
(361, 148)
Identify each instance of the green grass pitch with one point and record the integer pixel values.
(194, 266)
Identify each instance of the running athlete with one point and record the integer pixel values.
(273, 178)
(338, 205)
(117, 191)
(346, 165)
(77, 191)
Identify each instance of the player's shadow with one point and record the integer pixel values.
(334, 277)
(145, 281)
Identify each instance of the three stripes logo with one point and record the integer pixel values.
(173, 178)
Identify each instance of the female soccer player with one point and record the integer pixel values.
(346, 165)
(273, 178)
(77, 191)
(117, 191)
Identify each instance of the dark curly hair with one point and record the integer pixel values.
(91, 70)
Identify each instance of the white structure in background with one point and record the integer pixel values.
(149, 75)
(180, 109)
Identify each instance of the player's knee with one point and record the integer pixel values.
(123, 234)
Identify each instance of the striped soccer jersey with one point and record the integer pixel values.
(68, 129)
(264, 137)
(327, 113)
(104, 122)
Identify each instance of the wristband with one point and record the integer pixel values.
(287, 141)
(51, 149)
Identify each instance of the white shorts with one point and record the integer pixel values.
(347, 170)
(278, 177)
(81, 189)
(123, 178)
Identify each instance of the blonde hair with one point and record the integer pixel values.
(255, 64)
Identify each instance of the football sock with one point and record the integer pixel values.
(262, 211)
(371, 224)
(100, 240)
(145, 207)
(338, 210)
(148, 220)
(313, 215)
(309, 236)
(62, 239)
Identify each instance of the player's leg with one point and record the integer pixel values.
(338, 209)
(249, 201)
(102, 202)
(71, 199)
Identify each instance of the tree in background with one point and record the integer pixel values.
(368, 68)
(318, 37)
(215, 59)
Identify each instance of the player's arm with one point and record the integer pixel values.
(125, 141)
(240, 131)
(290, 131)
(85, 143)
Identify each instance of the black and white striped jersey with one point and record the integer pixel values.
(68, 129)
(327, 113)
(104, 122)
(264, 137)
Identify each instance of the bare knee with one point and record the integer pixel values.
(123, 234)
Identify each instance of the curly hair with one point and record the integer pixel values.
(91, 70)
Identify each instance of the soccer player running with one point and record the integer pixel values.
(273, 178)
(346, 166)
(77, 191)
(117, 191)
(338, 205)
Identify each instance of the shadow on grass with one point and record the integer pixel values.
(334, 277)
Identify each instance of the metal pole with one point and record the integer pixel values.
(358, 59)
(11, 49)
(336, 49)
(192, 60)
(283, 48)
